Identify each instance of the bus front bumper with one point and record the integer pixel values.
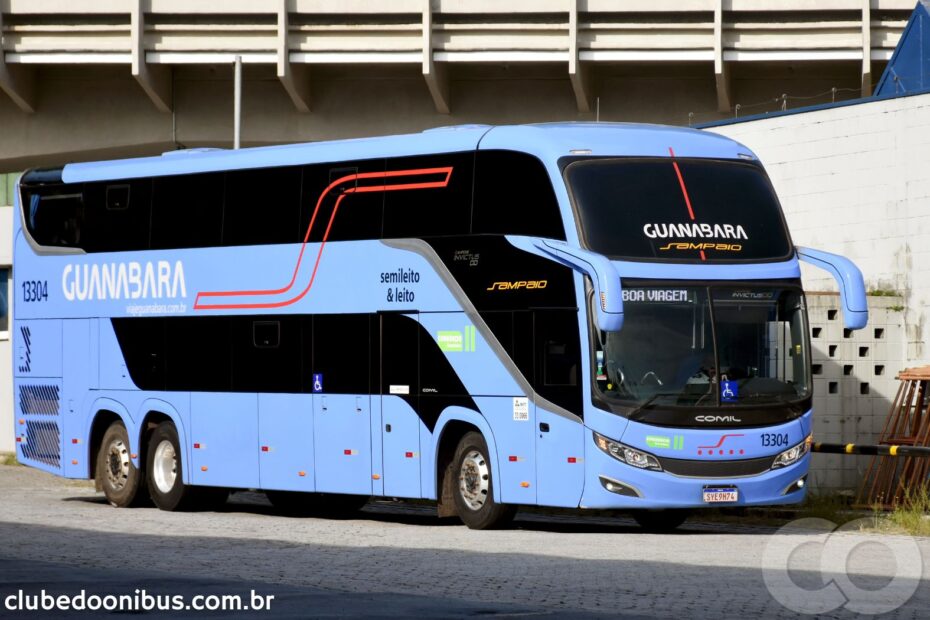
(613, 484)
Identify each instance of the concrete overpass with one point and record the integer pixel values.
(88, 79)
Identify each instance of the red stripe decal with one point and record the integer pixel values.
(382, 187)
(721, 440)
(684, 190)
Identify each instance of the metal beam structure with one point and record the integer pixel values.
(294, 78)
(17, 82)
(155, 80)
(294, 35)
(435, 74)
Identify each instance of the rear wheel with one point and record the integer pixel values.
(661, 520)
(164, 470)
(122, 484)
(473, 489)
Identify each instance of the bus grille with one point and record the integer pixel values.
(42, 443)
(39, 399)
(699, 468)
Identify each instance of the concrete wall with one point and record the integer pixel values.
(6, 353)
(95, 79)
(855, 180)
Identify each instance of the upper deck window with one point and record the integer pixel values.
(678, 209)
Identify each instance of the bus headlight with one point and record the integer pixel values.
(626, 454)
(794, 454)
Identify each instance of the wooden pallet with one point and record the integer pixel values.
(889, 479)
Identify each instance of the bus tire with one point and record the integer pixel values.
(164, 472)
(473, 490)
(298, 504)
(661, 520)
(122, 484)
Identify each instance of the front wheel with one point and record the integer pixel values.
(473, 488)
(164, 475)
(122, 483)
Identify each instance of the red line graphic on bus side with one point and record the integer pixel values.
(722, 439)
(382, 187)
(684, 190)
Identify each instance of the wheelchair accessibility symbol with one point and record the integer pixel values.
(729, 391)
(317, 383)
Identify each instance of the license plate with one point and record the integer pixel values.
(720, 495)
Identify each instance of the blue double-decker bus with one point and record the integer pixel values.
(571, 315)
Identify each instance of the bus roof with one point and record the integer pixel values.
(548, 141)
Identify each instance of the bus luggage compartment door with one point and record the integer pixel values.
(224, 437)
(285, 433)
(342, 443)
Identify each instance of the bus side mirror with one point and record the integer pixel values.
(850, 281)
(603, 274)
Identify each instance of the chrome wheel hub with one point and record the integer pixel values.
(474, 480)
(165, 466)
(117, 464)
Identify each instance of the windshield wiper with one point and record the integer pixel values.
(635, 414)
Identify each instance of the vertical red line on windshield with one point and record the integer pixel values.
(684, 190)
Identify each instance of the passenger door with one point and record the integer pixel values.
(559, 438)
(400, 396)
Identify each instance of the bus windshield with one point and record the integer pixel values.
(678, 209)
(699, 346)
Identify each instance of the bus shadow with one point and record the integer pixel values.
(425, 515)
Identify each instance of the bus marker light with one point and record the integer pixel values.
(266, 449)
(19, 440)
(410, 455)
(512, 459)
(75, 441)
(376, 476)
(133, 456)
(203, 468)
(21, 421)
(74, 461)
(198, 446)
(525, 485)
(302, 474)
(573, 459)
(350, 452)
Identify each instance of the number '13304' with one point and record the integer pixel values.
(35, 290)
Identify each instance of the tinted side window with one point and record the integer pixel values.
(438, 201)
(341, 349)
(349, 210)
(400, 355)
(118, 215)
(266, 353)
(56, 217)
(558, 358)
(514, 196)
(262, 206)
(198, 354)
(187, 211)
(142, 341)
